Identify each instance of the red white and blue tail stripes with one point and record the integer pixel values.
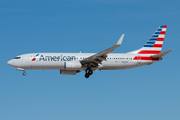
(155, 42)
(153, 45)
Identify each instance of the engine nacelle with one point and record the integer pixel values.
(76, 65)
(69, 72)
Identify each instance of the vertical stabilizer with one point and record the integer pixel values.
(155, 42)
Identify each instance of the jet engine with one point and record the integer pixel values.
(69, 72)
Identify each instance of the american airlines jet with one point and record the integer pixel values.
(72, 63)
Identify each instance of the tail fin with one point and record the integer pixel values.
(155, 42)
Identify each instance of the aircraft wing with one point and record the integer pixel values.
(99, 57)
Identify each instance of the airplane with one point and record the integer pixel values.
(72, 63)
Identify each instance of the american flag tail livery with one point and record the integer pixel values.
(152, 49)
(155, 42)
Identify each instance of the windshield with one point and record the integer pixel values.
(17, 57)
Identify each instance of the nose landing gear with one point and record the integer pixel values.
(22, 69)
(24, 73)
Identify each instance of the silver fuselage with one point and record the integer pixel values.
(57, 60)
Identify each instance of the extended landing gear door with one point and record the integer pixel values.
(139, 60)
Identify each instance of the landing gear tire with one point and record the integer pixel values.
(23, 73)
(90, 72)
(87, 75)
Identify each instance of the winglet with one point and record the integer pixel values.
(161, 54)
(120, 40)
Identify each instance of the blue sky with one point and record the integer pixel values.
(144, 93)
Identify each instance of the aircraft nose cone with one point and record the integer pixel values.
(10, 62)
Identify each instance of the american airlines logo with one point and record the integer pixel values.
(35, 57)
(57, 58)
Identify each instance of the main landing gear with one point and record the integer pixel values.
(88, 73)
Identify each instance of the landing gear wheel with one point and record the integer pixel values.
(24, 73)
(87, 75)
(90, 72)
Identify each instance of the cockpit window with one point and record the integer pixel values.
(17, 57)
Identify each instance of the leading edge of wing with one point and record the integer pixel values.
(99, 57)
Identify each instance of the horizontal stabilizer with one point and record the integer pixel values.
(161, 54)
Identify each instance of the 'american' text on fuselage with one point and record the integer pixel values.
(57, 58)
